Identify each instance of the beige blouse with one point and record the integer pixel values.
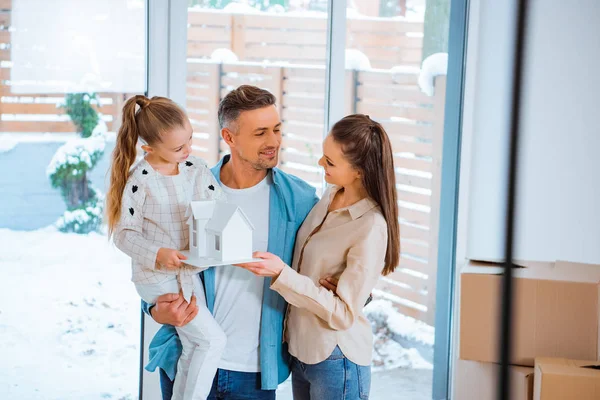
(350, 244)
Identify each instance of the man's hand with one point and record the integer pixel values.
(169, 258)
(172, 309)
(330, 283)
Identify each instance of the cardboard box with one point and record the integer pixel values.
(479, 381)
(556, 312)
(563, 379)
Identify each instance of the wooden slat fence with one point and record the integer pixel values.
(413, 121)
(40, 112)
(387, 42)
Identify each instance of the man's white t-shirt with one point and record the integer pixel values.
(238, 292)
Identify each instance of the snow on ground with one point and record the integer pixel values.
(7, 143)
(401, 325)
(388, 354)
(69, 320)
(387, 322)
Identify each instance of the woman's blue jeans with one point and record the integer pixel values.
(336, 378)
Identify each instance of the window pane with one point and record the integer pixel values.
(396, 55)
(70, 322)
(277, 45)
(395, 72)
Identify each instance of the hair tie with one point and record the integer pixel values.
(142, 101)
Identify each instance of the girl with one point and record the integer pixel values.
(352, 234)
(147, 209)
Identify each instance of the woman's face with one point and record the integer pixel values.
(338, 170)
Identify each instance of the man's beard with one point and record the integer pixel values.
(261, 164)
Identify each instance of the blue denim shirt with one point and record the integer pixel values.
(291, 199)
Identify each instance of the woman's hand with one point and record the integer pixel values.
(270, 266)
(169, 258)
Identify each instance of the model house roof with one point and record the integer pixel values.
(222, 215)
(202, 209)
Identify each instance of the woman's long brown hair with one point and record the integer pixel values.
(155, 117)
(367, 147)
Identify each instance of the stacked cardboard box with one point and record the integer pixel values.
(556, 314)
(476, 380)
(563, 379)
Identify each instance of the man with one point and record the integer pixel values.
(255, 359)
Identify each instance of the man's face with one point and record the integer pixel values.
(255, 137)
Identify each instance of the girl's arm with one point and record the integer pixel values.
(211, 187)
(206, 186)
(128, 235)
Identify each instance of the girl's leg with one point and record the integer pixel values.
(338, 378)
(300, 385)
(203, 342)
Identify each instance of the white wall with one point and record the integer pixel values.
(559, 176)
(490, 64)
(560, 163)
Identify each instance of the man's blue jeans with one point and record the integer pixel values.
(335, 378)
(227, 385)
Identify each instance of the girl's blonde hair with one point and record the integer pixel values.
(155, 117)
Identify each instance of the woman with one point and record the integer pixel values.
(352, 234)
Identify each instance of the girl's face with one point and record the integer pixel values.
(175, 147)
(338, 170)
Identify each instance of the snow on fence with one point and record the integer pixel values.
(301, 39)
(413, 120)
(296, 39)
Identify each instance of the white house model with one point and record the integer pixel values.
(219, 233)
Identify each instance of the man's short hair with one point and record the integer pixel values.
(244, 98)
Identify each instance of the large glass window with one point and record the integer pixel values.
(395, 67)
(69, 316)
(396, 60)
(62, 87)
(277, 45)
